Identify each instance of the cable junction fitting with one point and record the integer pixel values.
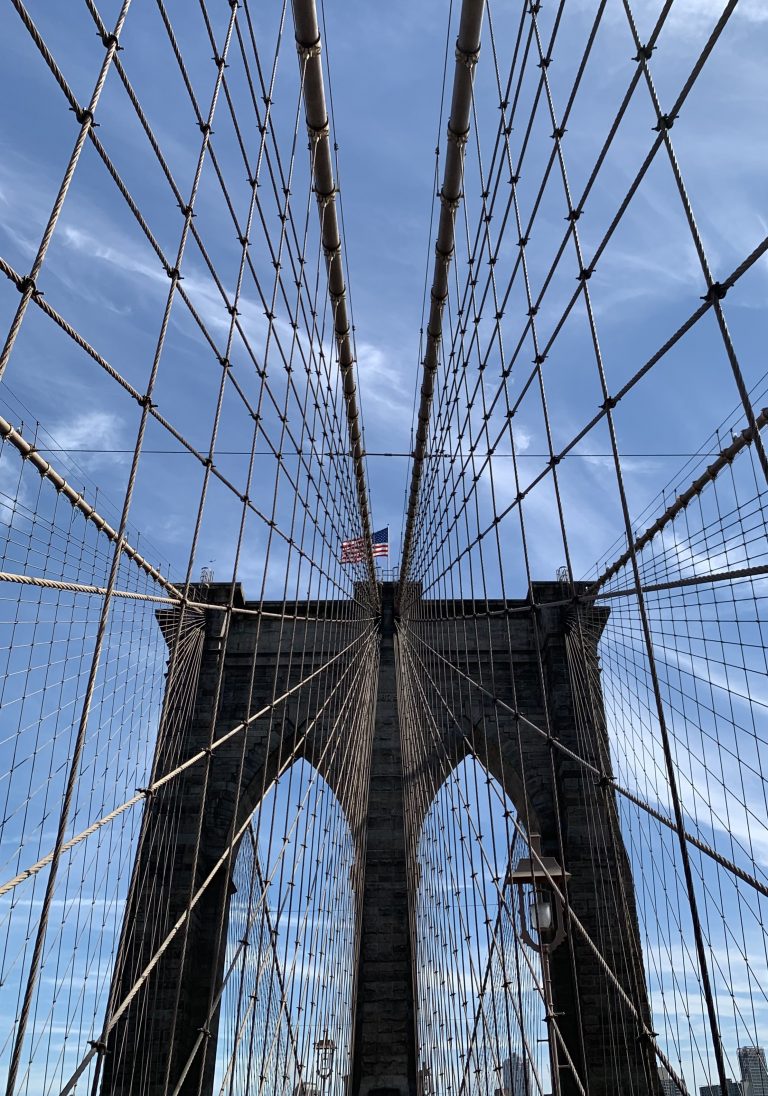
(307, 52)
(319, 133)
(468, 58)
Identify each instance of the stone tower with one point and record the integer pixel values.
(175, 1006)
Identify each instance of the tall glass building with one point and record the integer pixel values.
(754, 1074)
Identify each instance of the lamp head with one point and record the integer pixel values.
(538, 879)
(325, 1049)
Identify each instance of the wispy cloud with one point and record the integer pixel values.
(385, 385)
(92, 438)
(688, 16)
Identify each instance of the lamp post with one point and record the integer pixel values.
(325, 1049)
(542, 924)
(424, 1086)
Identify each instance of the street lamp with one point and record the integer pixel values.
(542, 924)
(325, 1049)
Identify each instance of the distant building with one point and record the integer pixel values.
(733, 1087)
(515, 1076)
(668, 1086)
(754, 1074)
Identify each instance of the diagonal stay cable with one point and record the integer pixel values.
(645, 1033)
(180, 922)
(604, 779)
(200, 755)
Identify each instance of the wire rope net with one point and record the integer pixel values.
(187, 734)
(596, 879)
(186, 770)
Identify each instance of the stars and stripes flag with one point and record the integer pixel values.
(353, 551)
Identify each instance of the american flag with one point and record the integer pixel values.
(353, 551)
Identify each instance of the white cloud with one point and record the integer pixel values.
(689, 15)
(16, 501)
(90, 439)
(126, 258)
(384, 388)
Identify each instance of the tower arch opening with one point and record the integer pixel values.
(480, 992)
(290, 943)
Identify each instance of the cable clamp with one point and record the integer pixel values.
(109, 40)
(314, 49)
(573, 215)
(716, 292)
(585, 274)
(457, 136)
(451, 204)
(559, 133)
(219, 62)
(467, 57)
(205, 1032)
(174, 274)
(644, 53)
(319, 133)
(325, 199)
(98, 1045)
(145, 401)
(205, 128)
(609, 404)
(146, 792)
(83, 116)
(28, 283)
(331, 252)
(665, 122)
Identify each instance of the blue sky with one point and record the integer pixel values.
(386, 64)
(386, 78)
